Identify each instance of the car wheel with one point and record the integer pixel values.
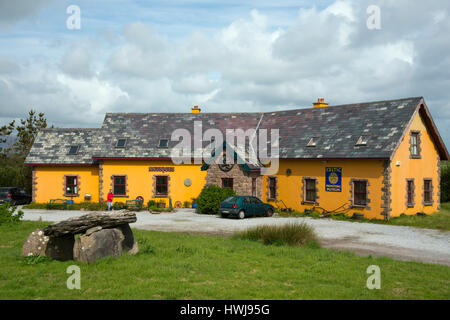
(241, 214)
(269, 212)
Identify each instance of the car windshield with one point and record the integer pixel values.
(4, 190)
(230, 200)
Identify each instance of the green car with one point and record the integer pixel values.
(245, 206)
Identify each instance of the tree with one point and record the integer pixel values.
(5, 134)
(13, 172)
(27, 132)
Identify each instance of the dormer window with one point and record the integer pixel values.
(313, 142)
(163, 143)
(121, 143)
(73, 150)
(362, 141)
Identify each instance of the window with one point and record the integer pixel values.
(410, 193)
(254, 187)
(362, 141)
(71, 186)
(428, 191)
(120, 186)
(360, 193)
(310, 190)
(121, 143)
(414, 144)
(73, 150)
(272, 188)
(227, 183)
(164, 143)
(162, 185)
(256, 200)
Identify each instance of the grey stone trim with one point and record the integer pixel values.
(268, 189)
(419, 149)
(126, 185)
(428, 203)
(100, 181)
(33, 184)
(386, 191)
(413, 203)
(439, 182)
(65, 186)
(352, 198)
(303, 191)
(154, 186)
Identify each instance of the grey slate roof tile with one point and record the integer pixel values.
(339, 128)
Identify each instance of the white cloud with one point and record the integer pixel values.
(248, 65)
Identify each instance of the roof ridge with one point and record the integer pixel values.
(259, 112)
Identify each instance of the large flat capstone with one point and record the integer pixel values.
(85, 222)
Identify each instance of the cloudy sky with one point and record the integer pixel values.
(224, 55)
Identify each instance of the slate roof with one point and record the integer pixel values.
(337, 129)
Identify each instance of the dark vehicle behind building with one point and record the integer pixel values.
(14, 195)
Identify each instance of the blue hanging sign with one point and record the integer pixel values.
(333, 179)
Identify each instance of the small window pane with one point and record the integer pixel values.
(161, 185)
(121, 143)
(360, 193)
(310, 192)
(120, 185)
(73, 149)
(227, 183)
(272, 188)
(163, 143)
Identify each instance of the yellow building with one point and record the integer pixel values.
(379, 159)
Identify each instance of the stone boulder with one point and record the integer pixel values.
(38, 244)
(104, 243)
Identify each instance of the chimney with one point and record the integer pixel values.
(320, 103)
(196, 109)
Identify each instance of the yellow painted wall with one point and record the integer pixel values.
(140, 182)
(290, 187)
(50, 183)
(426, 167)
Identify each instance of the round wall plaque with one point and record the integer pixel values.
(187, 182)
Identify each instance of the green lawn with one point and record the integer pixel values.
(439, 220)
(181, 266)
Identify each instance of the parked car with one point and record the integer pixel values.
(245, 206)
(14, 195)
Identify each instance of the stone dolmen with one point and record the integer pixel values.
(100, 235)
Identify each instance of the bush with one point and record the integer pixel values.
(293, 234)
(7, 213)
(151, 204)
(186, 204)
(210, 198)
(445, 182)
(118, 205)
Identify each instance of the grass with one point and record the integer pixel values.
(182, 266)
(292, 234)
(438, 220)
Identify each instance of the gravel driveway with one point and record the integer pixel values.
(403, 243)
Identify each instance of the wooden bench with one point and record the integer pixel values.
(57, 204)
(133, 204)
